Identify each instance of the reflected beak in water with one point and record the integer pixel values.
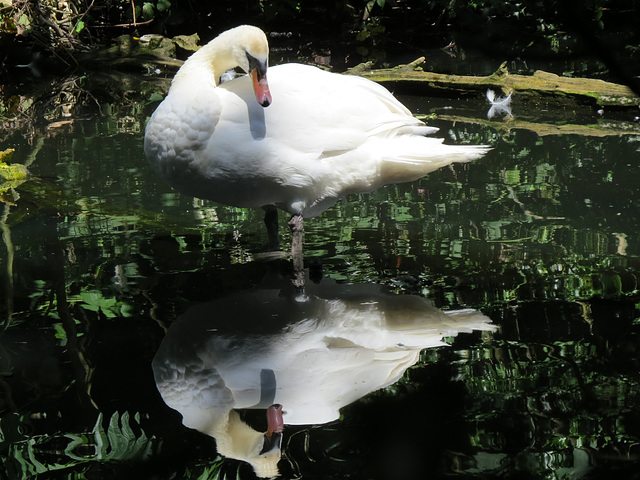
(273, 436)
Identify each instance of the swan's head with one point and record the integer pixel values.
(236, 439)
(244, 46)
(251, 51)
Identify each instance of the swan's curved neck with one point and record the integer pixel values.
(208, 63)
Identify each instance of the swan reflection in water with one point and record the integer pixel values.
(301, 358)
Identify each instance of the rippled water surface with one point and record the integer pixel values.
(105, 268)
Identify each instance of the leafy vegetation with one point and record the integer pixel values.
(550, 28)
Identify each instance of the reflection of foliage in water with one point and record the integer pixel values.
(115, 443)
(543, 209)
(53, 107)
(559, 390)
(540, 234)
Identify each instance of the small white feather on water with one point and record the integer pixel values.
(499, 105)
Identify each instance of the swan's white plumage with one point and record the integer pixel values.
(341, 344)
(324, 136)
(325, 353)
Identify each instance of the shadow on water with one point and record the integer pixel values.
(104, 268)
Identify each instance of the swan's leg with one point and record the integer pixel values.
(297, 230)
(271, 222)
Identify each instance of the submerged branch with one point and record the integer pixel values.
(601, 129)
(8, 243)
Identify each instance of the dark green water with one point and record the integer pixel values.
(541, 236)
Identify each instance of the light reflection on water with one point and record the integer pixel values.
(540, 235)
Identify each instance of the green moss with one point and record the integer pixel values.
(6, 155)
(11, 174)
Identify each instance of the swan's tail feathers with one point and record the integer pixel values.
(430, 329)
(416, 130)
(468, 320)
(408, 158)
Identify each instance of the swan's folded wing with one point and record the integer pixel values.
(314, 110)
(181, 126)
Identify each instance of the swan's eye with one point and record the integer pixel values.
(255, 64)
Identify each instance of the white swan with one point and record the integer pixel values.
(323, 136)
(262, 349)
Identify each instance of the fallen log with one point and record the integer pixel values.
(593, 91)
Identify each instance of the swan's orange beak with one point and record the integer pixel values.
(273, 437)
(261, 87)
